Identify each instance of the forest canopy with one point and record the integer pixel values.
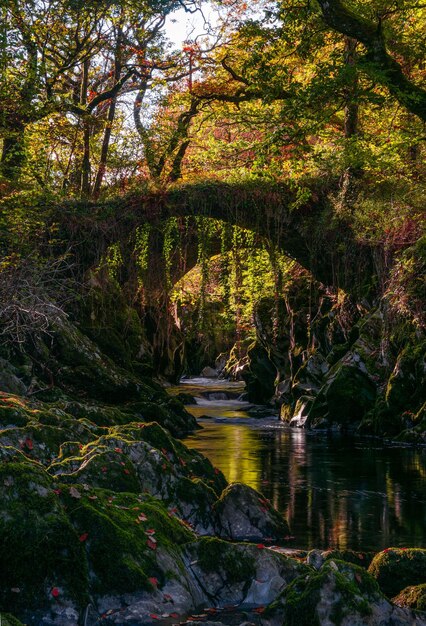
(95, 99)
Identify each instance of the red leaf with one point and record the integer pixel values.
(126, 471)
(216, 471)
(118, 450)
(29, 443)
(154, 616)
(57, 491)
(151, 544)
(259, 609)
(153, 581)
(103, 469)
(260, 546)
(55, 592)
(83, 537)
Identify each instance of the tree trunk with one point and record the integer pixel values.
(110, 120)
(13, 153)
(85, 166)
(350, 124)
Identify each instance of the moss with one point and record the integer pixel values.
(39, 548)
(362, 559)
(191, 462)
(397, 568)
(117, 545)
(413, 597)
(215, 555)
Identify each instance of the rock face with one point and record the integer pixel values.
(243, 513)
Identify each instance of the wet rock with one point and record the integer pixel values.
(186, 398)
(209, 372)
(342, 594)
(315, 559)
(243, 513)
(397, 568)
(301, 411)
(412, 597)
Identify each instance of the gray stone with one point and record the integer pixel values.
(243, 513)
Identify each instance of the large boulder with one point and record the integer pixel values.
(339, 593)
(397, 568)
(244, 514)
(346, 397)
(231, 573)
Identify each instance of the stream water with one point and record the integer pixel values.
(335, 491)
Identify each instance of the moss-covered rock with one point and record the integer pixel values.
(123, 535)
(339, 593)
(241, 573)
(397, 568)
(413, 597)
(347, 395)
(41, 557)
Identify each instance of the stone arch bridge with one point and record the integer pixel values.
(299, 222)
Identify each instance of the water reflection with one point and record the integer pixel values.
(333, 491)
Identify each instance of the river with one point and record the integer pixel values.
(335, 491)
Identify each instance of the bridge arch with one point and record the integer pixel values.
(300, 223)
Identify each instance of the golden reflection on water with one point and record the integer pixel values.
(333, 493)
(234, 450)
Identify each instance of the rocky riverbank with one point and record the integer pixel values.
(334, 363)
(107, 517)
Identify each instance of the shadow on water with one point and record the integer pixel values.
(334, 491)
